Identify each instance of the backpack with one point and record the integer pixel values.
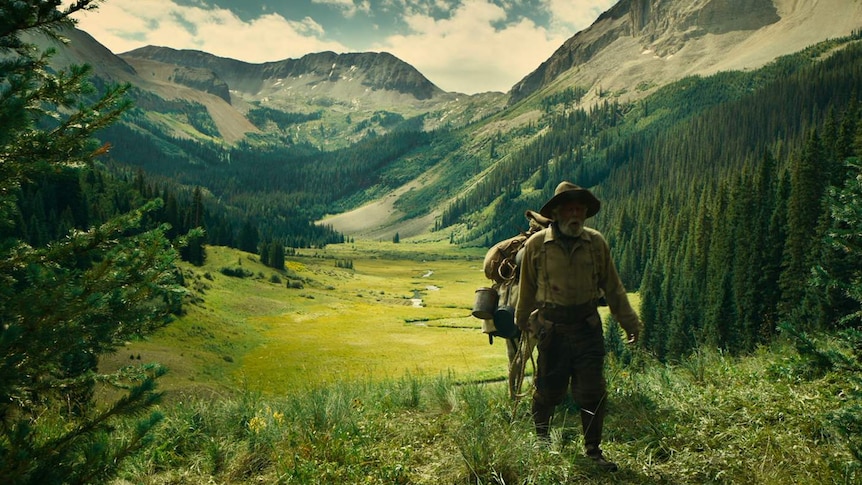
(495, 305)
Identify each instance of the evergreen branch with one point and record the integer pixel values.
(44, 16)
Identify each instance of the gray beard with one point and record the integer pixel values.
(568, 231)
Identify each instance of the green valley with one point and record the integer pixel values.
(398, 310)
(344, 381)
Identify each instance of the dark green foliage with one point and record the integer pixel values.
(237, 272)
(565, 98)
(192, 249)
(838, 276)
(383, 119)
(301, 184)
(51, 204)
(248, 238)
(79, 278)
(202, 122)
(713, 194)
(272, 254)
(261, 116)
(838, 272)
(808, 183)
(731, 273)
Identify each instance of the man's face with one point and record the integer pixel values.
(570, 217)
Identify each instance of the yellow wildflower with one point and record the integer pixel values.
(257, 424)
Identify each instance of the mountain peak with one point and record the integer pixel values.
(371, 70)
(653, 42)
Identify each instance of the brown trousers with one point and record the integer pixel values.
(571, 355)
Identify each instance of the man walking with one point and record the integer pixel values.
(566, 269)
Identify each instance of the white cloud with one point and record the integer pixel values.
(466, 53)
(574, 16)
(123, 25)
(347, 6)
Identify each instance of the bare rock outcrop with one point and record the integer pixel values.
(377, 71)
(706, 33)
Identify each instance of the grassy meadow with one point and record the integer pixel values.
(403, 309)
(324, 374)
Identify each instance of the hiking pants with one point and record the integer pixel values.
(571, 354)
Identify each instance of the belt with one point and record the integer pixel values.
(568, 314)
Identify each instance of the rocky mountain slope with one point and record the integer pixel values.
(171, 83)
(346, 88)
(641, 44)
(629, 52)
(365, 73)
(635, 48)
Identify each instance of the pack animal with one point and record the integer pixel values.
(495, 305)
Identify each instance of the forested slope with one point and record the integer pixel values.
(714, 193)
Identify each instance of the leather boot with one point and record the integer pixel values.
(592, 424)
(599, 459)
(542, 419)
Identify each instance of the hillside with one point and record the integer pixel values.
(638, 45)
(350, 90)
(630, 53)
(356, 76)
(327, 102)
(711, 419)
(313, 398)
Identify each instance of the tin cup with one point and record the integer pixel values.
(485, 303)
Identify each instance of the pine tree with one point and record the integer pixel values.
(804, 209)
(66, 303)
(248, 238)
(193, 249)
(841, 271)
(720, 313)
(276, 255)
(655, 331)
(774, 255)
(767, 241)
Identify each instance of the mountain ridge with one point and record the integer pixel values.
(629, 52)
(353, 85)
(655, 42)
(376, 70)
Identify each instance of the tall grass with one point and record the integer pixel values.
(766, 418)
(708, 419)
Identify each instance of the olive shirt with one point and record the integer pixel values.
(553, 274)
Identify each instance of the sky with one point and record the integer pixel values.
(465, 46)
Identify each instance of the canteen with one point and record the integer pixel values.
(504, 321)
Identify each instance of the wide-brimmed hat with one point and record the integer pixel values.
(567, 191)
